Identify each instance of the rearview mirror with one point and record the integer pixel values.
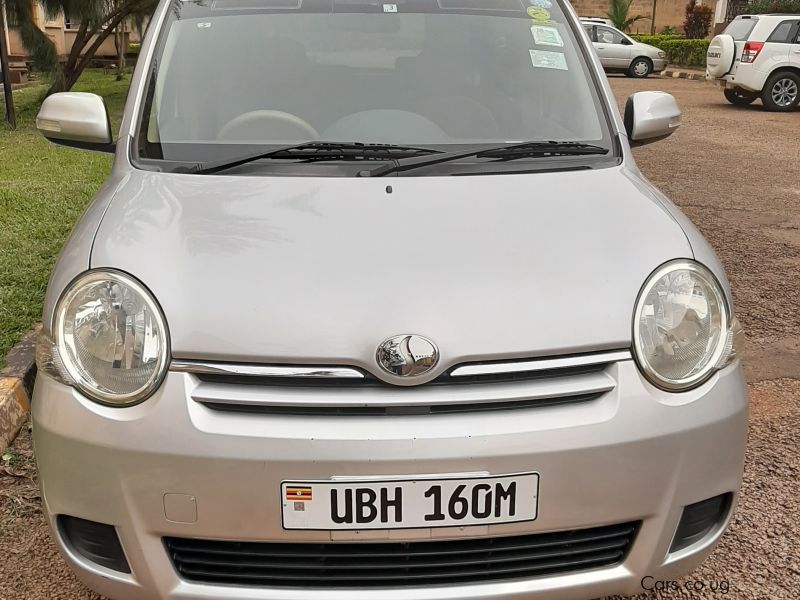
(651, 116)
(76, 119)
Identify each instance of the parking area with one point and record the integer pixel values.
(734, 171)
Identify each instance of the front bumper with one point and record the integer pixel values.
(659, 64)
(636, 453)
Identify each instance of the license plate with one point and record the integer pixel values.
(409, 503)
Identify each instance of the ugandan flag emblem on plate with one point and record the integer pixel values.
(298, 493)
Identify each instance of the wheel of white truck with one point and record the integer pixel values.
(720, 56)
(782, 92)
(740, 97)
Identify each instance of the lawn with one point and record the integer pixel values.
(44, 188)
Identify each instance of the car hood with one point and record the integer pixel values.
(321, 270)
(650, 50)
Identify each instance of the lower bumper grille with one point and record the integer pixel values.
(367, 564)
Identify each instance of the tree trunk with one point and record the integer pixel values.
(80, 56)
(119, 42)
(10, 116)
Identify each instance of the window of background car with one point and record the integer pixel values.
(739, 29)
(608, 36)
(421, 72)
(785, 33)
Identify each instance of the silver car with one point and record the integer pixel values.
(619, 52)
(375, 303)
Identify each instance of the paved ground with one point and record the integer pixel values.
(734, 172)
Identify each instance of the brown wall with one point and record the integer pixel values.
(61, 38)
(668, 12)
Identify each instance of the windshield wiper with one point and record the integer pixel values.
(316, 151)
(502, 153)
(536, 149)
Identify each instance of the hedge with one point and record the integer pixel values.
(760, 7)
(654, 40)
(680, 51)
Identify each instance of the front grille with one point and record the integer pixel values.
(308, 390)
(400, 410)
(365, 379)
(368, 564)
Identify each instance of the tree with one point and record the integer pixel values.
(5, 79)
(618, 13)
(98, 19)
(697, 21)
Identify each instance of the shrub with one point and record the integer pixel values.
(760, 7)
(655, 40)
(679, 50)
(134, 47)
(697, 21)
(686, 53)
(668, 30)
(618, 14)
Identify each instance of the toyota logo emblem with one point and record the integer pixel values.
(407, 355)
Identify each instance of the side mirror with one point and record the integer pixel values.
(650, 116)
(76, 119)
(626, 42)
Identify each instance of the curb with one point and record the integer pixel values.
(678, 74)
(16, 387)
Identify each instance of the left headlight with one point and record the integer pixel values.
(110, 339)
(682, 327)
(662, 54)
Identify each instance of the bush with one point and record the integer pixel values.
(668, 30)
(134, 47)
(760, 7)
(654, 40)
(686, 53)
(698, 20)
(680, 51)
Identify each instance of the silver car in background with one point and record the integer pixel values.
(382, 309)
(621, 53)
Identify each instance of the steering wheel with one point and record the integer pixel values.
(262, 125)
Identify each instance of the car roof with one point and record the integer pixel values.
(780, 16)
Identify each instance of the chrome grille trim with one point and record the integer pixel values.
(249, 370)
(542, 364)
(330, 372)
(393, 396)
(341, 391)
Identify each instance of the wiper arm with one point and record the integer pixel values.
(317, 151)
(528, 149)
(504, 152)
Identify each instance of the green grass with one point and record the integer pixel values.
(43, 190)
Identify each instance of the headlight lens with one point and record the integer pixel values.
(662, 55)
(681, 326)
(111, 338)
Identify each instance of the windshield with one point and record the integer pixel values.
(232, 76)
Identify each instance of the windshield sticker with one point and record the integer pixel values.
(538, 14)
(546, 36)
(390, 8)
(544, 59)
(204, 25)
(541, 3)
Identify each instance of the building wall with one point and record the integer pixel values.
(61, 37)
(668, 12)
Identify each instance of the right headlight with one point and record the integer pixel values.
(683, 330)
(109, 339)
